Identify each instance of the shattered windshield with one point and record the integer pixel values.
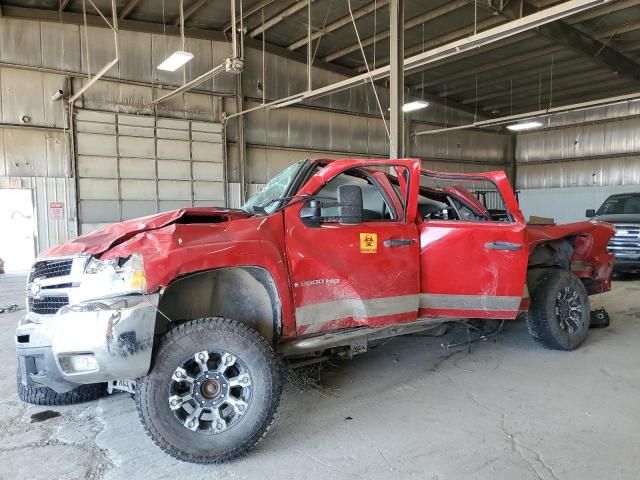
(621, 204)
(275, 188)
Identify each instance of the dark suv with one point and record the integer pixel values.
(623, 211)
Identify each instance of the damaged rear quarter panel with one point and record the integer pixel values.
(178, 249)
(591, 259)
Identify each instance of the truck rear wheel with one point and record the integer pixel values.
(560, 314)
(45, 396)
(212, 392)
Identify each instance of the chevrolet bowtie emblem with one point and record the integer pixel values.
(34, 288)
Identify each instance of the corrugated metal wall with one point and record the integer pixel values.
(584, 157)
(39, 58)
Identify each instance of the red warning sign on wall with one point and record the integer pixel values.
(56, 210)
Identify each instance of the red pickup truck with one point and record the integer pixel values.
(200, 304)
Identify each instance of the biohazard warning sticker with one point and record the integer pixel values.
(368, 242)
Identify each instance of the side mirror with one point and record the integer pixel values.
(590, 213)
(313, 213)
(350, 204)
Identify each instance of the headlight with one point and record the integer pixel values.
(118, 276)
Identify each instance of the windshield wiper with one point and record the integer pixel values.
(261, 210)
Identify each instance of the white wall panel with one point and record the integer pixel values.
(138, 189)
(208, 191)
(98, 189)
(206, 152)
(174, 190)
(173, 149)
(16, 105)
(95, 144)
(208, 171)
(567, 204)
(138, 147)
(174, 170)
(137, 168)
(97, 167)
(135, 209)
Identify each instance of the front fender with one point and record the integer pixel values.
(178, 249)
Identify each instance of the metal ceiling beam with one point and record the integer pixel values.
(507, 62)
(577, 79)
(587, 93)
(279, 17)
(486, 37)
(570, 37)
(449, 37)
(619, 29)
(605, 9)
(250, 11)
(489, 67)
(411, 23)
(339, 23)
(128, 8)
(63, 5)
(496, 80)
(631, 96)
(191, 10)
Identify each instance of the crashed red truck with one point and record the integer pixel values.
(200, 304)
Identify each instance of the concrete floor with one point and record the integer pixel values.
(408, 409)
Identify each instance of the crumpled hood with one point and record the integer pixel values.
(620, 218)
(102, 239)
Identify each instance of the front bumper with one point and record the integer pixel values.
(90, 342)
(622, 264)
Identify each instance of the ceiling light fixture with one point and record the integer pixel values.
(415, 105)
(518, 127)
(175, 61)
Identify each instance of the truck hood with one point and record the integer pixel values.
(102, 239)
(620, 218)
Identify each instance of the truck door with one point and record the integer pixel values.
(354, 275)
(473, 261)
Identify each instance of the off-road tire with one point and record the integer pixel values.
(47, 396)
(186, 340)
(543, 321)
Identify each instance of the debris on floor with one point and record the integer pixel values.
(599, 318)
(9, 307)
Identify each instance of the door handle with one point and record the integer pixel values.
(398, 242)
(499, 245)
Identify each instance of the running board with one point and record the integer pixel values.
(356, 339)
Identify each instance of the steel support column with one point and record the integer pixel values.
(242, 145)
(396, 84)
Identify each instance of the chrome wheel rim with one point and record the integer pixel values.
(210, 392)
(569, 310)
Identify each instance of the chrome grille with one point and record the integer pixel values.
(626, 241)
(47, 305)
(51, 269)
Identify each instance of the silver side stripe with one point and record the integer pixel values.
(469, 302)
(320, 313)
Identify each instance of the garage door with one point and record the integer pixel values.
(132, 165)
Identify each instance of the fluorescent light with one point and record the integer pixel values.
(517, 127)
(175, 61)
(415, 105)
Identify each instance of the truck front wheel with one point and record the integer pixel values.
(560, 314)
(212, 392)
